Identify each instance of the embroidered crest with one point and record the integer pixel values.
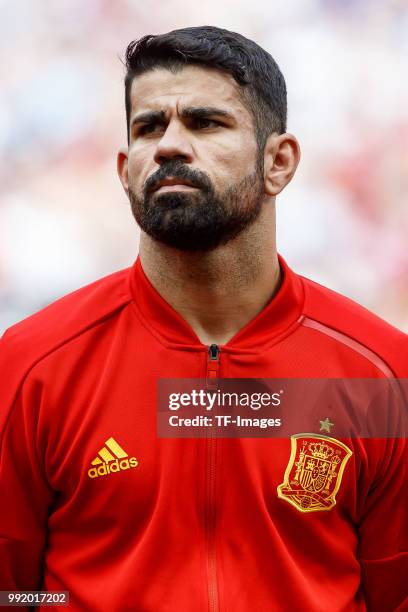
(314, 472)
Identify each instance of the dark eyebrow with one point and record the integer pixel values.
(190, 112)
(204, 112)
(149, 117)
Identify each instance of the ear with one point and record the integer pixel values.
(122, 166)
(281, 157)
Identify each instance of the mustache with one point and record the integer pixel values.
(177, 169)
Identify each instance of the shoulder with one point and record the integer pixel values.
(33, 338)
(349, 322)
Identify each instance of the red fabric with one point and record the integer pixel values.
(188, 524)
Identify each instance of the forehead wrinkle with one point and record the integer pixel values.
(151, 81)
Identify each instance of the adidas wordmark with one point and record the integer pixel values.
(110, 459)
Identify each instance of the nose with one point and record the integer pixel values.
(174, 144)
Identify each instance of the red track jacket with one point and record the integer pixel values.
(93, 503)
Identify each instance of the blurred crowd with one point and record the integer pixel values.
(64, 219)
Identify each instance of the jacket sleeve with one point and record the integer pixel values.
(24, 493)
(383, 530)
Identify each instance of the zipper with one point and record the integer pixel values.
(210, 508)
(213, 363)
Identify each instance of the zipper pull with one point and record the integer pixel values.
(214, 351)
(213, 363)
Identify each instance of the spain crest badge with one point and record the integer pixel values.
(314, 472)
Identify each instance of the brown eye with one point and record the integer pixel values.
(201, 124)
(149, 128)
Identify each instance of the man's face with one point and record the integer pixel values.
(195, 175)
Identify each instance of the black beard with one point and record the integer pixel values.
(199, 220)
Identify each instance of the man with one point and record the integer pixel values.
(93, 501)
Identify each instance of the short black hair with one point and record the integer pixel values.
(261, 82)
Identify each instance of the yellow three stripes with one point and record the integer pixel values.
(117, 450)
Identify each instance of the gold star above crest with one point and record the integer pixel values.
(326, 424)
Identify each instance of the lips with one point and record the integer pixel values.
(171, 182)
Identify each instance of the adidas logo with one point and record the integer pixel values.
(111, 458)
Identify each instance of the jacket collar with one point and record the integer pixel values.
(276, 320)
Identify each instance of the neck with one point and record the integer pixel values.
(218, 292)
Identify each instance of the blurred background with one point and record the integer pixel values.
(64, 219)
